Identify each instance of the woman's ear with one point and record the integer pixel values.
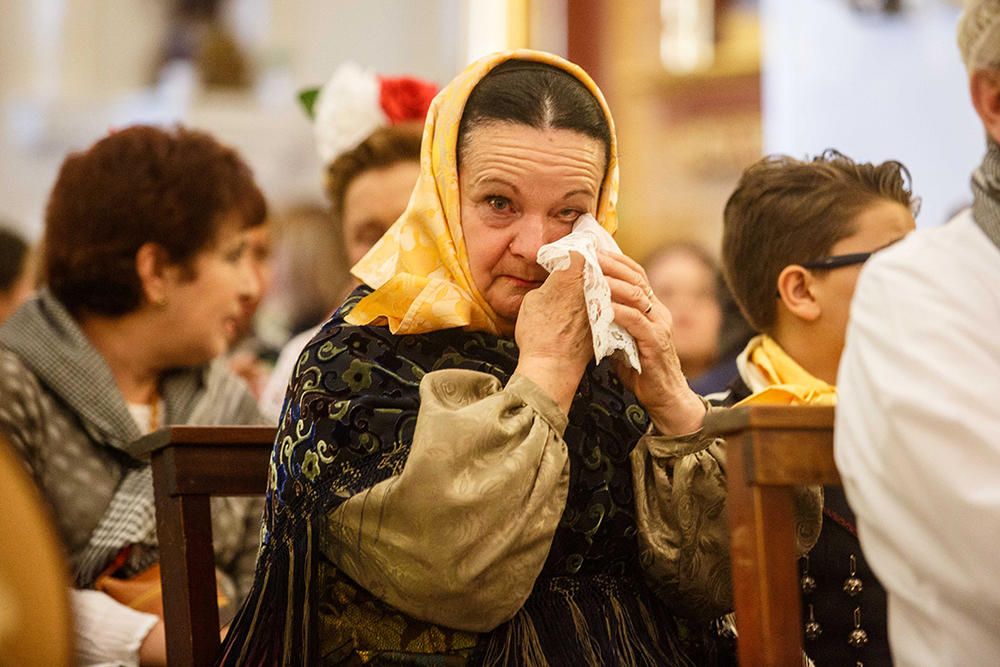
(984, 86)
(152, 267)
(795, 289)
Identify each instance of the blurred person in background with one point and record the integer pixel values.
(17, 272)
(146, 277)
(917, 437)
(687, 279)
(368, 132)
(306, 285)
(736, 332)
(251, 357)
(795, 235)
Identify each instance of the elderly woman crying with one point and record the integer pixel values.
(455, 481)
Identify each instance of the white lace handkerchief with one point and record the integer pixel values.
(587, 238)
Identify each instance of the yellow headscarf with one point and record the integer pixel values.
(420, 269)
(781, 380)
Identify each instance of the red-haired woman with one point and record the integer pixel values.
(146, 273)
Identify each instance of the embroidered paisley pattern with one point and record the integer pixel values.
(347, 425)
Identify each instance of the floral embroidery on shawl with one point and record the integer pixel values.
(347, 424)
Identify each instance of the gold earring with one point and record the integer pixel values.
(160, 302)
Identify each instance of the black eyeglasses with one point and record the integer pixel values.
(837, 261)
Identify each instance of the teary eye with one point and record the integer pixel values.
(570, 214)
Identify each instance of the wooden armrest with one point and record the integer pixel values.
(769, 417)
(182, 436)
(191, 464)
(782, 445)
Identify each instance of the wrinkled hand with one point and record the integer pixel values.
(553, 334)
(661, 387)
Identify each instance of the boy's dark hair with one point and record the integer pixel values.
(786, 211)
(142, 184)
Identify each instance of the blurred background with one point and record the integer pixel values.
(699, 88)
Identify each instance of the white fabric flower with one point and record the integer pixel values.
(347, 111)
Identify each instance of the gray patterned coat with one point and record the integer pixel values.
(63, 413)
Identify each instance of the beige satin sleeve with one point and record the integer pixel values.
(459, 537)
(680, 491)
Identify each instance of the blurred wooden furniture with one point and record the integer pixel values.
(770, 450)
(191, 464)
(36, 623)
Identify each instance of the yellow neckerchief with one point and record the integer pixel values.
(420, 268)
(776, 379)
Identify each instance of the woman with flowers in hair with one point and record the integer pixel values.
(455, 481)
(367, 130)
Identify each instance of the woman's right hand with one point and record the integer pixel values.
(553, 334)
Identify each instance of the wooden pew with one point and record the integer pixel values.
(770, 450)
(191, 464)
(37, 628)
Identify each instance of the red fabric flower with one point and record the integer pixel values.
(404, 98)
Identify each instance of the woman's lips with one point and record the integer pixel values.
(523, 282)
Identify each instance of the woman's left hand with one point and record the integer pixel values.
(661, 387)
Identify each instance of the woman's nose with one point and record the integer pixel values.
(250, 283)
(529, 237)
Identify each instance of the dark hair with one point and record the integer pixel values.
(786, 211)
(13, 257)
(538, 95)
(143, 184)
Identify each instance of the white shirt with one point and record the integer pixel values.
(106, 631)
(918, 440)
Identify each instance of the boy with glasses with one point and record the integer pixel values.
(795, 236)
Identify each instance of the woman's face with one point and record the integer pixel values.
(205, 301)
(260, 254)
(521, 188)
(687, 287)
(372, 202)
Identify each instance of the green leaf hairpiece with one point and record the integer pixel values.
(307, 98)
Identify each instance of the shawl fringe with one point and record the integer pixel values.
(586, 620)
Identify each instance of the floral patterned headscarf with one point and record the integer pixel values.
(420, 269)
